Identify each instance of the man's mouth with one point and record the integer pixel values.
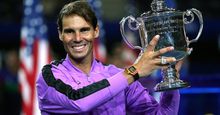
(79, 47)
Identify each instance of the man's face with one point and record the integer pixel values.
(77, 37)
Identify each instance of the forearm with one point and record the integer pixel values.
(117, 84)
(128, 77)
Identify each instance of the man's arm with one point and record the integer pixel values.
(57, 97)
(140, 101)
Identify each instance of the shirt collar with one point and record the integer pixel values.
(96, 65)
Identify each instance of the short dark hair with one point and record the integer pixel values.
(80, 8)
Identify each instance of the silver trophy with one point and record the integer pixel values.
(170, 25)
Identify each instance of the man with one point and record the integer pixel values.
(80, 84)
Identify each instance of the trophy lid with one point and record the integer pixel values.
(157, 6)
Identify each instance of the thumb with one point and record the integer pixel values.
(139, 56)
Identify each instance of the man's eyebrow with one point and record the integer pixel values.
(85, 28)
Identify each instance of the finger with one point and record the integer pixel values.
(153, 43)
(163, 51)
(171, 60)
(179, 65)
(189, 50)
(167, 61)
(139, 57)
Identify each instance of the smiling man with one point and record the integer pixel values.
(80, 84)
(77, 36)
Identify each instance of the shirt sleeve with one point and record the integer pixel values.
(55, 96)
(140, 101)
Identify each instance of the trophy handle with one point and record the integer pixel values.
(131, 20)
(189, 13)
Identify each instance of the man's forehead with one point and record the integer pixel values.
(75, 22)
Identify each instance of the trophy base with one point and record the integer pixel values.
(165, 86)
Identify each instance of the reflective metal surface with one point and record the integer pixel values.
(170, 25)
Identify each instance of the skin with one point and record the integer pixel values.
(77, 37)
(150, 60)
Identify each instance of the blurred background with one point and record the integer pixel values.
(201, 68)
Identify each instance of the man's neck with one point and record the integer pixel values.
(83, 64)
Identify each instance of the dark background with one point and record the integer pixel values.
(204, 62)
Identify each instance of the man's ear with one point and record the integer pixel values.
(97, 32)
(60, 34)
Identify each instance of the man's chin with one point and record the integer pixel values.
(77, 57)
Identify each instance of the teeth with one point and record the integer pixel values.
(78, 47)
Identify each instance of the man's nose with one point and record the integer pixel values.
(78, 36)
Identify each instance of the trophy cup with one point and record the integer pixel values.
(170, 25)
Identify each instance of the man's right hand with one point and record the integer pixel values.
(150, 59)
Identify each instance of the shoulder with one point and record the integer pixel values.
(48, 71)
(51, 75)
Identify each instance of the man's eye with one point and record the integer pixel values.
(83, 30)
(68, 31)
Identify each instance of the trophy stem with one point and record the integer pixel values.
(170, 80)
